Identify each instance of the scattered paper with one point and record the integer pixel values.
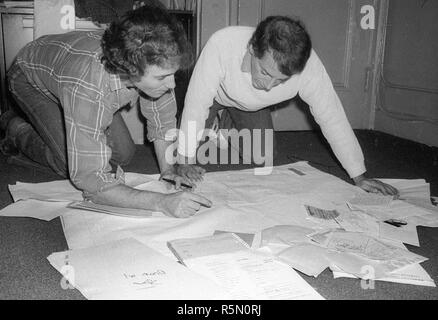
(413, 274)
(405, 234)
(61, 190)
(416, 188)
(285, 235)
(370, 200)
(351, 251)
(246, 275)
(117, 211)
(397, 210)
(359, 222)
(127, 269)
(248, 238)
(423, 204)
(321, 213)
(37, 209)
(429, 220)
(248, 205)
(307, 258)
(186, 249)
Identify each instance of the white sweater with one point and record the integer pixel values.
(219, 75)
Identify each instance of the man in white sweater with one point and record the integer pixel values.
(247, 70)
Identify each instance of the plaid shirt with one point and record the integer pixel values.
(67, 69)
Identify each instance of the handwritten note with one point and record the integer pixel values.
(127, 269)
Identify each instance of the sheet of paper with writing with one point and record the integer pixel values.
(250, 275)
(244, 273)
(127, 269)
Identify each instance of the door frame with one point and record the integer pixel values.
(379, 56)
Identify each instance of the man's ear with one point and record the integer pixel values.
(250, 49)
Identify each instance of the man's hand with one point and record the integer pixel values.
(191, 172)
(179, 180)
(182, 204)
(375, 186)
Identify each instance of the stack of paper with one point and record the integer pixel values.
(395, 219)
(60, 191)
(127, 269)
(45, 201)
(291, 245)
(416, 192)
(357, 254)
(118, 211)
(365, 200)
(417, 188)
(243, 273)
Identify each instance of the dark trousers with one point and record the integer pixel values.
(233, 118)
(44, 139)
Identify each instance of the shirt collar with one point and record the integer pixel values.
(246, 63)
(116, 83)
(125, 94)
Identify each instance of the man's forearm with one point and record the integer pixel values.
(127, 197)
(161, 146)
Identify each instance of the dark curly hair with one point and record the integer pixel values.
(146, 36)
(287, 38)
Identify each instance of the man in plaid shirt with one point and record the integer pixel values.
(70, 88)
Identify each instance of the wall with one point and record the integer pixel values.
(407, 100)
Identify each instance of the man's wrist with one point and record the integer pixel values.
(183, 160)
(358, 179)
(157, 202)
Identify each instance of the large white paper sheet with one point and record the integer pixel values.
(242, 202)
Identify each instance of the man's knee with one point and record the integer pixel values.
(128, 153)
(124, 153)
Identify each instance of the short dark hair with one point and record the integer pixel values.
(146, 36)
(287, 38)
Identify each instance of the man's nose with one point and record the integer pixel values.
(270, 84)
(171, 82)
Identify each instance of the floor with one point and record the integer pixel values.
(25, 243)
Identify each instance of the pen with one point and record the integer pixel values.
(396, 223)
(174, 183)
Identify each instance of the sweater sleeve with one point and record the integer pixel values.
(316, 89)
(204, 84)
